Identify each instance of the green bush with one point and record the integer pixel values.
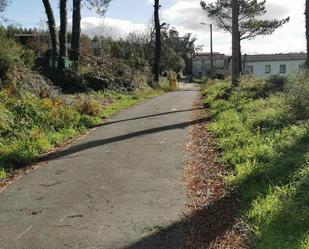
(9, 56)
(276, 82)
(12, 55)
(216, 90)
(30, 126)
(297, 95)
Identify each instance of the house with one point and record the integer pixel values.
(201, 64)
(259, 65)
(266, 65)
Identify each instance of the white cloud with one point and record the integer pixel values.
(110, 27)
(186, 16)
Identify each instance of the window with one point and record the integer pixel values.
(301, 67)
(267, 69)
(249, 69)
(283, 69)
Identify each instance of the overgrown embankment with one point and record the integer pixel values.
(262, 130)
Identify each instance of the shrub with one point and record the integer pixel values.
(276, 82)
(9, 56)
(297, 90)
(30, 125)
(6, 120)
(86, 105)
(216, 90)
(23, 81)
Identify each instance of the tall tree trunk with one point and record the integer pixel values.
(307, 31)
(235, 43)
(52, 30)
(240, 60)
(63, 34)
(76, 30)
(157, 59)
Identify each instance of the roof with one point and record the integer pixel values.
(206, 56)
(275, 57)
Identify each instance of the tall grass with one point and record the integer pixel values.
(264, 138)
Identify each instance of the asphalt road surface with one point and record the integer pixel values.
(119, 187)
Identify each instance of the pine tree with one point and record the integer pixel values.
(250, 24)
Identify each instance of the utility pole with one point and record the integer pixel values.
(211, 51)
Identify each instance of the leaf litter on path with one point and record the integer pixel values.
(213, 218)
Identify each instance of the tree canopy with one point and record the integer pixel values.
(175, 49)
(99, 6)
(3, 5)
(250, 11)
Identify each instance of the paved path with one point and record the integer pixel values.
(117, 188)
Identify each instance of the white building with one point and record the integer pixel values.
(266, 65)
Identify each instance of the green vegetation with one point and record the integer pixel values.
(263, 133)
(201, 80)
(31, 126)
(120, 101)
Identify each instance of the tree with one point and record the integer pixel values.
(76, 30)
(3, 5)
(174, 49)
(157, 57)
(250, 26)
(235, 42)
(100, 7)
(62, 34)
(307, 31)
(181, 45)
(52, 30)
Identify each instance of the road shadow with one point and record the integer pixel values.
(188, 90)
(92, 144)
(148, 116)
(214, 220)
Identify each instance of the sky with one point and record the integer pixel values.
(124, 16)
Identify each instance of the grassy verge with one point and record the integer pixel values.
(120, 101)
(265, 143)
(31, 126)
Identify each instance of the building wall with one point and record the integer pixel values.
(202, 67)
(292, 66)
